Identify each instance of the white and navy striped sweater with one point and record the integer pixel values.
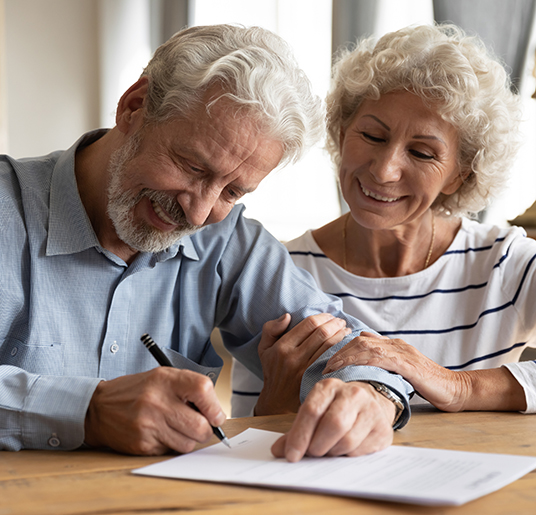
(474, 308)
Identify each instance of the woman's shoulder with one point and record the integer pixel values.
(481, 238)
(304, 244)
(477, 233)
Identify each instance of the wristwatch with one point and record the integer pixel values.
(392, 396)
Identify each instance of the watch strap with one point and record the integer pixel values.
(392, 396)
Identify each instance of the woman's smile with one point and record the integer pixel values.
(376, 196)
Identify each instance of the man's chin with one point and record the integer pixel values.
(158, 242)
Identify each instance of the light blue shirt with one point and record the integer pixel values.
(72, 313)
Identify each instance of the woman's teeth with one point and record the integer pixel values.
(161, 213)
(378, 197)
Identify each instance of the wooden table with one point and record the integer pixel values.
(100, 483)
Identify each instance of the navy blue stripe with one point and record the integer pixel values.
(306, 253)
(475, 249)
(503, 257)
(463, 251)
(488, 356)
(250, 394)
(412, 297)
(423, 295)
(469, 326)
(523, 278)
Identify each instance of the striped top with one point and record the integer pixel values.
(471, 309)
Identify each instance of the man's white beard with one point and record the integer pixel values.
(137, 234)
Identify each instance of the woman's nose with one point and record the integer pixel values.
(387, 165)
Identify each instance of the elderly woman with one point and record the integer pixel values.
(423, 128)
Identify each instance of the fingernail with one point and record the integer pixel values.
(293, 455)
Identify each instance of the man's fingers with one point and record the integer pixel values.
(278, 448)
(184, 427)
(338, 419)
(202, 396)
(341, 429)
(311, 411)
(147, 413)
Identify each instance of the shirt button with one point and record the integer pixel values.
(54, 441)
(114, 348)
(14, 351)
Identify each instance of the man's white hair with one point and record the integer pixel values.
(254, 67)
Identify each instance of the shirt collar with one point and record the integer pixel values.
(69, 227)
(70, 230)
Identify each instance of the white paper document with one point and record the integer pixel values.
(404, 474)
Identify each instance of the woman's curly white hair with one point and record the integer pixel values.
(452, 71)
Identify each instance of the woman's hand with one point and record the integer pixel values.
(445, 389)
(285, 358)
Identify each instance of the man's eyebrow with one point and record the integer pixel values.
(416, 136)
(241, 189)
(198, 160)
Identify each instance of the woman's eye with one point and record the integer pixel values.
(372, 138)
(422, 155)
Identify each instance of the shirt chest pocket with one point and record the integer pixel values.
(45, 359)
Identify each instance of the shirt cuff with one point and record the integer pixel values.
(54, 413)
(525, 374)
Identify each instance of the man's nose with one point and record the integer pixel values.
(202, 208)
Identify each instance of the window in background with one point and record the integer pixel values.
(124, 48)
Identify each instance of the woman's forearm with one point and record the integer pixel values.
(493, 390)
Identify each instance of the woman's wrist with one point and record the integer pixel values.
(493, 390)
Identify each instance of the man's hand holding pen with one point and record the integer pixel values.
(147, 413)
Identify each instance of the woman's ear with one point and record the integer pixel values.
(455, 183)
(342, 133)
(130, 109)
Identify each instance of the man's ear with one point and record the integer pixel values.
(130, 109)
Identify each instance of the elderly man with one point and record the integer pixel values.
(135, 230)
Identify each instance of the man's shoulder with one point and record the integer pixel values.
(34, 173)
(236, 236)
(235, 224)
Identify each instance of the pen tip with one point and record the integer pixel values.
(226, 442)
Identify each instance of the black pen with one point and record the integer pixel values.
(163, 361)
